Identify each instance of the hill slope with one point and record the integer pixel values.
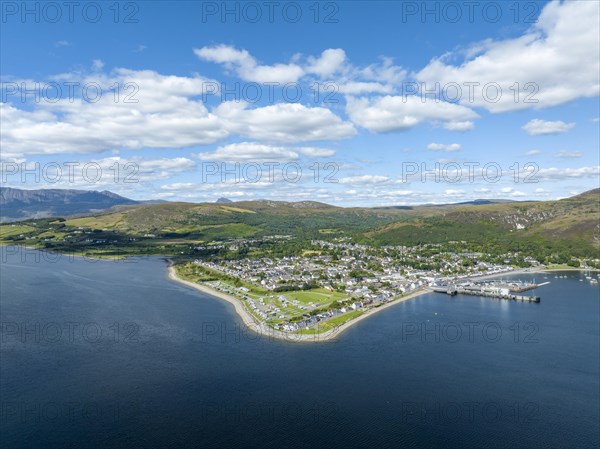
(575, 219)
(568, 226)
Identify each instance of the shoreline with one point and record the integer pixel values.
(530, 271)
(265, 331)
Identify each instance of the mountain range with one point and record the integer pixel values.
(571, 221)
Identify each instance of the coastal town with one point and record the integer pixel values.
(338, 280)
(301, 285)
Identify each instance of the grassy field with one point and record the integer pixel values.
(114, 222)
(8, 230)
(319, 296)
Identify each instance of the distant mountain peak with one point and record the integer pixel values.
(224, 200)
(19, 204)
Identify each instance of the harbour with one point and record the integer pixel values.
(492, 289)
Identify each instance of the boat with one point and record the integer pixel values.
(594, 282)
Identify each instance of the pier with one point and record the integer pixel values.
(499, 290)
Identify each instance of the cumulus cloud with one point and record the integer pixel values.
(569, 154)
(444, 147)
(537, 127)
(332, 65)
(161, 113)
(315, 152)
(533, 152)
(381, 78)
(558, 56)
(459, 126)
(247, 68)
(248, 152)
(454, 192)
(397, 113)
(257, 152)
(557, 174)
(283, 122)
(156, 111)
(364, 179)
(331, 61)
(365, 87)
(114, 171)
(97, 65)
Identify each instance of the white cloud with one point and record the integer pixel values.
(155, 168)
(330, 62)
(365, 87)
(164, 112)
(556, 174)
(257, 152)
(283, 122)
(459, 126)
(396, 113)
(248, 69)
(384, 72)
(569, 154)
(537, 127)
(114, 172)
(364, 179)
(315, 152)
(533, 152)
(250, 152)
(164, 115)
(558, 55)
(444, 147)
(382, 77)
(511, 193)
(331, 66)
(453, 192)
(97, 65)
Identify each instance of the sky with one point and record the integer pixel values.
(349, 103)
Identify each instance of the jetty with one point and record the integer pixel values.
(491, 289)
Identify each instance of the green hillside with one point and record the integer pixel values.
(569, 225)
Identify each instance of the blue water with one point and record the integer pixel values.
(113, 354)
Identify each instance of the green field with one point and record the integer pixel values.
(8, 230)
(319, 296)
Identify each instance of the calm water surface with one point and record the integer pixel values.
(113, 354)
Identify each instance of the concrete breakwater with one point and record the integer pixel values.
(491, 289)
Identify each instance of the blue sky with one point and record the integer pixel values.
(212, 104)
